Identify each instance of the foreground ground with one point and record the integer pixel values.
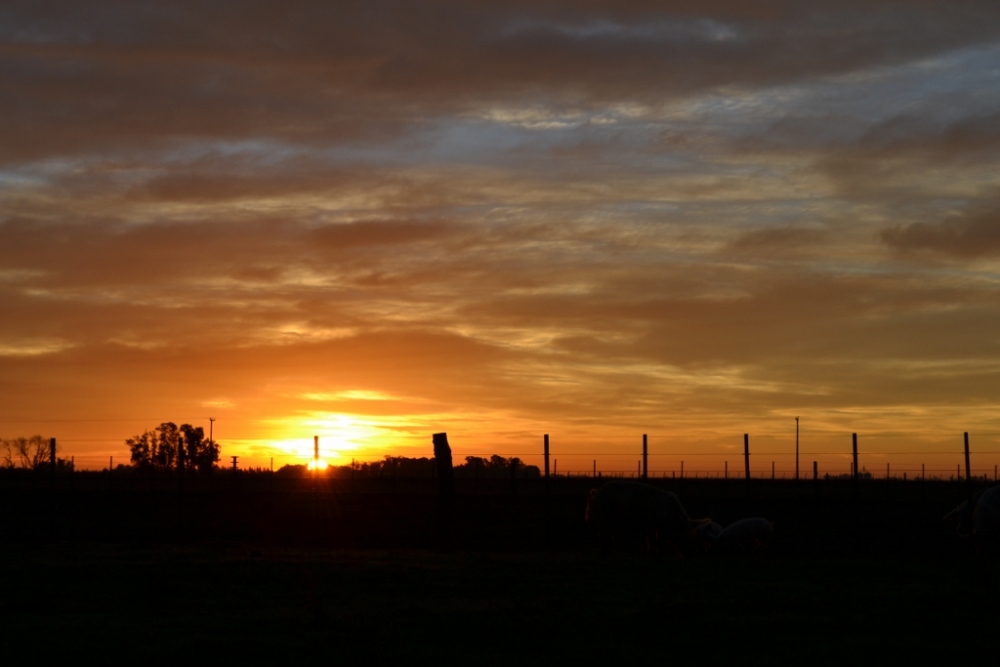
(157, 602)
(379, 570)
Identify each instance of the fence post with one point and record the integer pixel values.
(682, 469)
(546, 447)
(796, 448)
(513, 477)
(772, 469)
(726, 470)
(595, 468)
(52, 462)
(446, 473)
(180, 464)
(854, 449)
(923, 475)
(968, 469)
(645, 458)
(815, 471)
(746, 454)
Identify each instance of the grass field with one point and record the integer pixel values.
(368, 573)
(315, 605)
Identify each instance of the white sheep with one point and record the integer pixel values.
(979, 518)
(707, 534)
(747, 537)
(621, 508)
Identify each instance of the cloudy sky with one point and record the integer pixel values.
(377, 220)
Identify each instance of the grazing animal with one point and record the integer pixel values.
(747, 537)
(979, 518)
(622, 509)
(707, 534)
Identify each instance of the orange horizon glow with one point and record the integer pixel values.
(345, 438)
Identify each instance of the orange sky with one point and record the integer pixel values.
(374, 221)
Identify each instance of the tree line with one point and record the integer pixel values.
(400, 466)
(157, 449)
(161, 448)
(31, 453)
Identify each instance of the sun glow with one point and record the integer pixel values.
(342, 437)
(317, 464)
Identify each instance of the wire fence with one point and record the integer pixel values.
(820, 454)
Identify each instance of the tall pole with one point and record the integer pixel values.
(211, 424)
(968, 469)
(796, 448)
(315, 456)
(645, 457)
(746, 454)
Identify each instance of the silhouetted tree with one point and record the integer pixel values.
(495, 466)
(157, 449)
(29, 454)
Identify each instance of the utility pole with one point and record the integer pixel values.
(211, 423)
(796, 448)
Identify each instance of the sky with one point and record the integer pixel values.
(372, 221)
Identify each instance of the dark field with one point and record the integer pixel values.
(130, 567)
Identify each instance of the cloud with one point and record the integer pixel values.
(971, 235)
(500, 215)
(312, 73)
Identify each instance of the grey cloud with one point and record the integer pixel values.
(120, 75)
(972, 235)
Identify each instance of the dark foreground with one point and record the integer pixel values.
(331, 606)
(378, 570)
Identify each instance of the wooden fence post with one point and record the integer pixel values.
(746, 454)
(645, 458)
(180, 464)
(854, 449)
(52, 463)
(446, 473)
(726, 470)
(968, 468)
(513, 477)
(546, 448)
